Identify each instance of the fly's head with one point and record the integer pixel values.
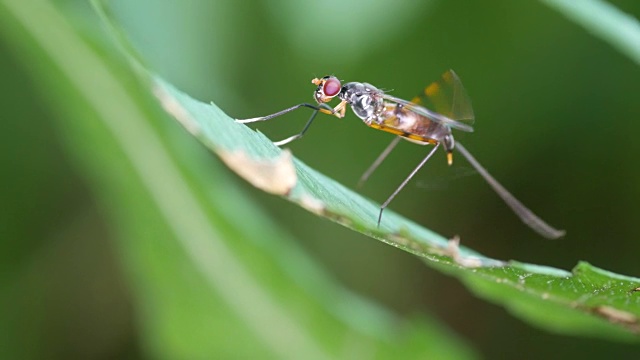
(328, 88)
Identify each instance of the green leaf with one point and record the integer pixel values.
(588, 301)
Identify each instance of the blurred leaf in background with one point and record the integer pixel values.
(556, 113)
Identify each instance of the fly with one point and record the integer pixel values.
(428, 119)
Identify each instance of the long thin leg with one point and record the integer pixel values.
(527, 216)
(424, 161)
(299, 135)
(322, 107)
(269, 117)
(378, 161)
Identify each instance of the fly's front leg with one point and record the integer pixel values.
(324, 108)
(338, 111)
(279, 113)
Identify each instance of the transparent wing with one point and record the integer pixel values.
(448, 97)
(445, 101)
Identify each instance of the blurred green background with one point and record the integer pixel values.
(557, 112)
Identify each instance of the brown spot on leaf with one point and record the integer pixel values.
(312, 204)
(617, 316)
(276, 176)
(453, 250)
(172, 106)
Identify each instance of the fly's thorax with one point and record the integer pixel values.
(365, 100)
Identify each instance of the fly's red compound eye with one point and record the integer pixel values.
(331, 86)
(328, 88)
